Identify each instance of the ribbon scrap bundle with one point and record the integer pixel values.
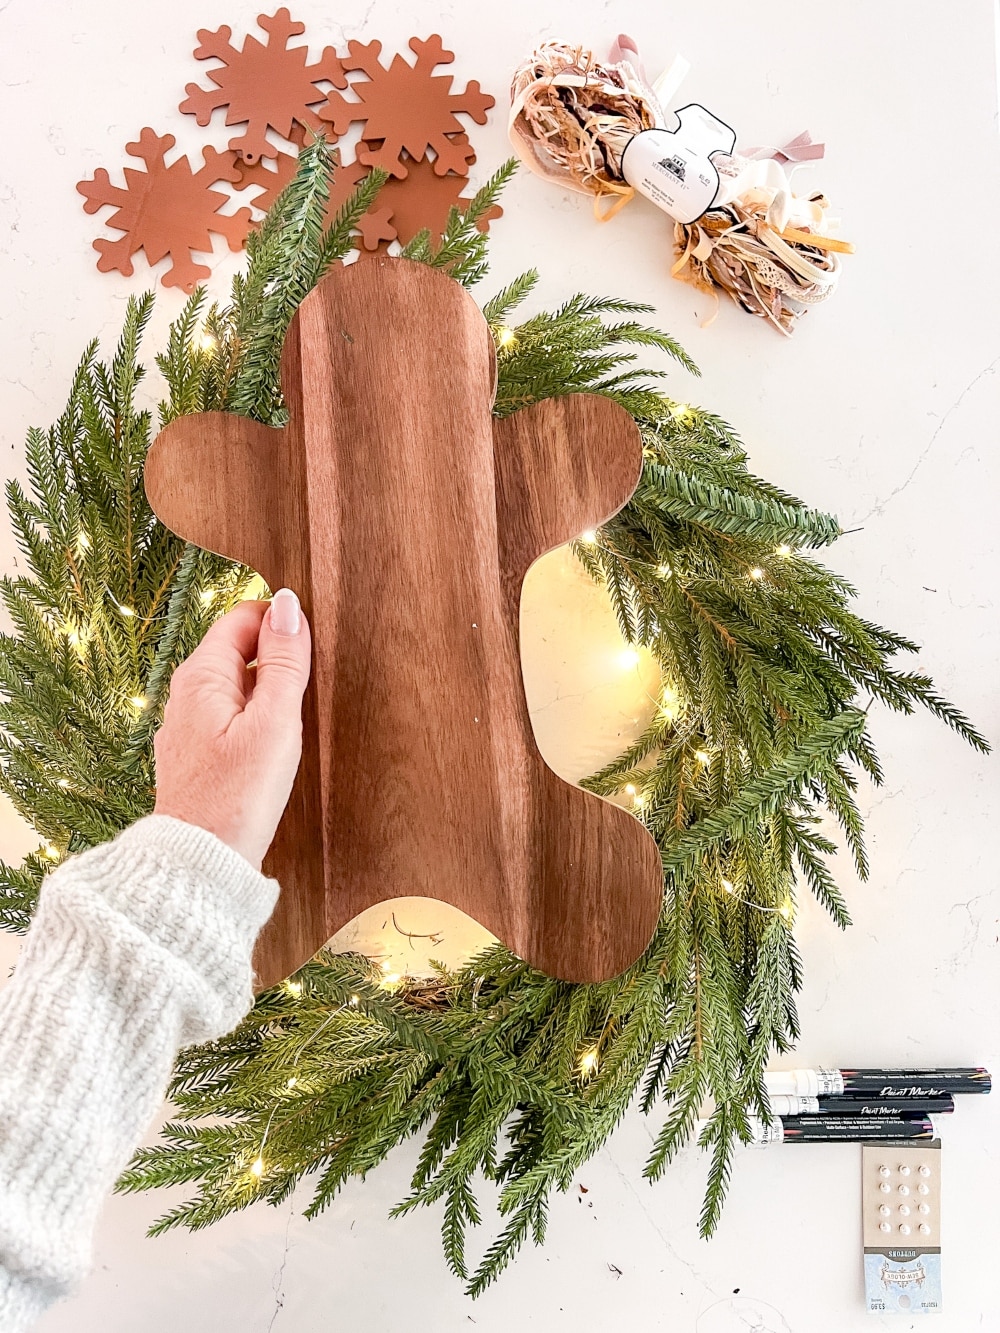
(572, 120)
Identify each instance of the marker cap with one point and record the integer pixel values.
(804, 1083)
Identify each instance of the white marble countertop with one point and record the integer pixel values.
(882, 409)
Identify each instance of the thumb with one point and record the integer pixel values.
(284, 649)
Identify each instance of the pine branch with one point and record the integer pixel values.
(688, 499)
(498, 307)
(462, 248)
(764, 795)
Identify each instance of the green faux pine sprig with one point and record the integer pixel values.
(762, 727)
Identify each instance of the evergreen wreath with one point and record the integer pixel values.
(762, 726)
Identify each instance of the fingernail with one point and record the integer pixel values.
(286, 616)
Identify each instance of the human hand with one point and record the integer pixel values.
(231, 739)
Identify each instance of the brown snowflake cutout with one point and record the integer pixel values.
(263, 87)
(423, 201)
(165, 210)
(408, 108)
(272, 174)
(374, 227)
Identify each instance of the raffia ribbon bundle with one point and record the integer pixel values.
(572, 118)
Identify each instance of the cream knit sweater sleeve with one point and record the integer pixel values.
(138, 947)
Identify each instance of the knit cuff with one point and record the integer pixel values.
(22, 1302)
(166, 876)
(187, 894)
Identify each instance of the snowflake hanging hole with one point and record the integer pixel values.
(262, 86)
(166, 210)
(407, 109)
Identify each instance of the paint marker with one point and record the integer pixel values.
(837, 1129)
(876, 1082)
(834, 1129)
(878, 1108)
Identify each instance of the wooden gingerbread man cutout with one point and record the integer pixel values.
(405, 516)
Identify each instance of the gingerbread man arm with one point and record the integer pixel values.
(562, 465)
(233, 486)
(217, 480)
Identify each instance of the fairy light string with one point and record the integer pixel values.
(785, 910)
(258, 1166)
(669, 706)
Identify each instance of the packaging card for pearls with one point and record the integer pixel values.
(901, 1202)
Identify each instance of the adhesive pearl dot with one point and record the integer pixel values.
(924, 1229)
(884, 1210)
(922, 1189)
(884, 1171)
(904, 1229)
(884, 1226)
(904, 1209)
(884, 1187)
(925, 1170)
(904, 1170)
(904, 1189)
(923, 1207)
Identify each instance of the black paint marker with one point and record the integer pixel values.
(877, 1108)
(838, 1129)
(886, 1083)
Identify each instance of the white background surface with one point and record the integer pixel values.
(883, 409)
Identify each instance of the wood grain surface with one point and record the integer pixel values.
(405, 516)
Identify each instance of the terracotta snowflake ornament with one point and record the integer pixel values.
(262, 86)
(407, 108)
(403, 207)
(423, 201)
(375, 227)
(166, 210)
(272, 174)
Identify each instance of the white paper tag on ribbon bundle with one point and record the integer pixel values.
(674, 168)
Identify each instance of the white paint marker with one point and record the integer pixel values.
(876, 1082)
